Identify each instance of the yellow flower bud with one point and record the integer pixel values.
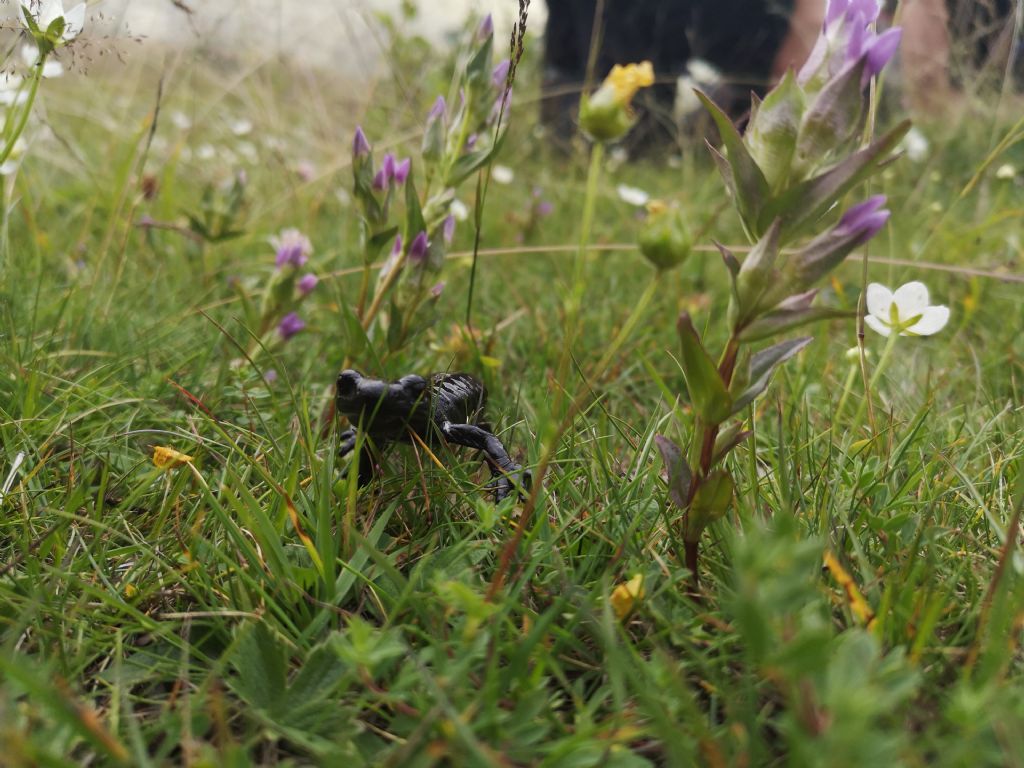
(606, 114)
(168, 458)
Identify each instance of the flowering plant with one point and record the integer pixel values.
(794, 164)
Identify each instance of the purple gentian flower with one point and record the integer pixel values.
(290, 325)
(865, 218)
(401, 172)
(438, 111)
(307, 283)
(448, 229)
(270, 376)
(291, 247)
(500, 74)
(486, 28)
(436, 290)
(360, 146)
(471, 142)
(418, 248)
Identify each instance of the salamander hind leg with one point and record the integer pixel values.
(506, 473)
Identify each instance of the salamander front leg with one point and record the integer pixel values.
(506, 473)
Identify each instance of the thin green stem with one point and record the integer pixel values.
(883, 363)
(19, 128)
(630, 325)
(847, 388)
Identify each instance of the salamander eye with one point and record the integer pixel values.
(348, 382)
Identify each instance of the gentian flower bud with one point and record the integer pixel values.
(360, 146)
(418, 248)
(290, 325)
(402, 171)
(448, 229)
(500, 74)
(486, 28)
(307, 283)
(434, 133)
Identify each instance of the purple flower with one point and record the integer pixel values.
(387, 165)
(290, 325)
(292, 248)
(881, 50)
(380, 180)
(270, 376)
(307, 283)
(418, 248)
(500, 74)
(471, 141)
(544, 208)
(402, 171)
(448, 229)
(865, 219)
(438, 111)
(396, 249)
(360, 146)
(486, 28)
(436, 290)
(847, 39)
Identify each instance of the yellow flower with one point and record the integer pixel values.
(626, 595)
(625, 81)
(168, 458)
(606, 114)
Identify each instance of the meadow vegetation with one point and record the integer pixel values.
(187, 577)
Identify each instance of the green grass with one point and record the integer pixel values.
(260, 611)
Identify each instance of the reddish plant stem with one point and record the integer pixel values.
(691, 546)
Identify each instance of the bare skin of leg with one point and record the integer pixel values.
(925, 56)
(804, 26)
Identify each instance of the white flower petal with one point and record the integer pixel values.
(632, 195)
(502, 174)
(916, 145)
(52, 68)
(933, 320)
(877, 325)
(48, 11)
(29, 54)
(241, 127)
(1006, 172)
(74, 22)
(879, 298)
(459, 210)
(911, 299)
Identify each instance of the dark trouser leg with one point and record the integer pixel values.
(503, 469)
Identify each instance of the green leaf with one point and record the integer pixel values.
(749, 184)
(679, 475)
(414, 223)
(805, 203)
(763, 365)
(259, 660)
(728, 439)
(832, 118)
(772, 133)
(708, 393)
(473, 161)
(782, 320)
(709, 503)
(758, 274)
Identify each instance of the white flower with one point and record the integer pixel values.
(459, 210)
(30, 55)
(49, 11)
(502, 174)
(916, 145)
(241, 126)
(632, 195)
(906, 310)
(181, 121)
(1006, 172)
(11, 92)
(10, 165)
